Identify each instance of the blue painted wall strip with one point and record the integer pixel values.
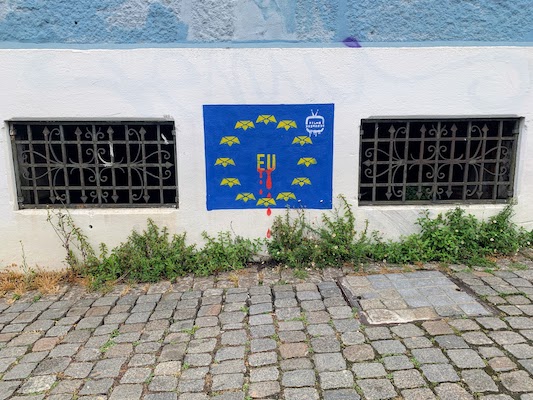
(309, 23)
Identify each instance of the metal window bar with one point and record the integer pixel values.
(437, 161)
(95, 164)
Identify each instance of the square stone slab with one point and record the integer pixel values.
(414, 296)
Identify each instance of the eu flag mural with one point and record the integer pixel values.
(269, 156)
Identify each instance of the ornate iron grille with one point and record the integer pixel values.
(95, 164)
(436, 161)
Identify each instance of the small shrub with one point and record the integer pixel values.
(144, 257)
(292, 243)
(225, 253)
(297, 243)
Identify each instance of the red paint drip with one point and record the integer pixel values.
(269, 211)
(260, 181)
(269, 233)
(260, 191)
(260, 170)
(269, 178)
(269, 195)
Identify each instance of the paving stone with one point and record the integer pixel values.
(466, 358)
(263, 319)
(79, 370)
(126, 392)
(407, 330)
(259, 345)
(228, 367)
(298, 378)
(451, 342)
(346, 325)
(52, 366)
(394, 363)
(286, 302)
(479, 381)
(319, 330)
(329, 362)
(227, 382)
(265, 389)
(234, 338)
(167, 368)
(520, 322)
(230, 353)
(340, 394)
(108, 368)
(368, 370)
(293, 350)
(375, 389)
(325, 345)
(429, 356)
(520, 350)
(96, 386)
(351, 338)
(359, 352)
(408, 379)
(229, 396)
(37, 384)
(501, 364)
(465, 324)
(136, 375)
(262, 331)
(506, 337)
(19, 371)
(389, 347)
(202, 346)
(295, 363)
(437, 328)
(292, 336)
(260, 359)
(451, 391)
(169, 384)
(439, 373)
(418, 394)
(288, 314)
(492, 323)
(264, 374)
(336, 380)
(517, 381)
(291, 326)
(260, 308)
(198, 360)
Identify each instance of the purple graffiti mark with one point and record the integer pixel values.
(351, 42)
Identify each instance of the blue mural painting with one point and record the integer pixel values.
(269, 156)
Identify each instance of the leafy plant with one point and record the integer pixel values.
(331, 243)
(145, 257)
(225, 253)
(79, 251)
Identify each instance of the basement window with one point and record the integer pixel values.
(437, 161)
(95, 164)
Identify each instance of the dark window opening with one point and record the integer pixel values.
(437, 161)
(95, 164)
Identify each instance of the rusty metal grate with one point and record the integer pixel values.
(95, 164)
(437, 161)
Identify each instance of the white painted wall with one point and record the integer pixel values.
(154, 83)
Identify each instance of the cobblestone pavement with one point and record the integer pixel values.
(265, 335)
